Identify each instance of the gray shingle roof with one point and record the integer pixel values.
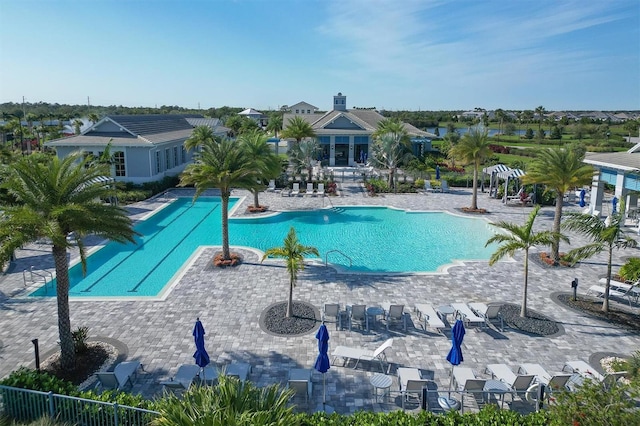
(101, 139)
(151, 124)
(627, 161)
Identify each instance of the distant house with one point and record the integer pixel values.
(345, 134)
(303, 108)
(145, 148)
(256, 116)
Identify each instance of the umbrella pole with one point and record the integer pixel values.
(324, 388)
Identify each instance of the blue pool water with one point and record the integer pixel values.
(376, 239)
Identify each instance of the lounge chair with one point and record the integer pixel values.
(272, 186)
(394, 313)
(428, 314)
(427, 186)
(360, 354)
(183, 378)
(587, 372)
(300, 382)
(466, 381)
(464, 312)
(240, 370)
(599, 291)
(320, 191)
(309, 190)
(519, 383)
(444, 186)
(296, 190)
(554, 382)
(359, 313)
(489, 312)
(410, 382)
(631, 290)
(121, 376)
(333, 310)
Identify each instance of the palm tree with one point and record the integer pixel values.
(560, 169)
(473, 149)
(275, 123)
(55, 198)
(221, 164)
(93, 117)
(605, 236)
(199, 136)
(298, 129)
(393, 126)
(264, 162)
(304, 155)
(521, 238)
(500, 115)
(389, 152)
(77, 124)
(540, 113)
(293, 252)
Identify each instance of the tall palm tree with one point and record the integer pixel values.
(77, 124)
(560, 169)
(262, 159)
(473, 149)
(500, 115)
(521, 238)
(53, 199)
(540, 113)
(275, 123)
(297, 128)
(199, 136)
(93, 117)
(293, 252)
(605, 236)
(393, 126)
(304, 155)
(389, 153)
(221, 164)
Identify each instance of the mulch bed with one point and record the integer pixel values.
(304, 319)
(593, 308)
(87, 363)
(535, 323)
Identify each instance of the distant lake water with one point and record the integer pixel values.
(462, 131)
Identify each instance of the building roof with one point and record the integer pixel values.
(628, 161)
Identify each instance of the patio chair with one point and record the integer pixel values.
(239, 370)
(272, 186)
(466, 381)
(296, 189)
(464, 312)
(444, 186)
(182, 380)
(631, 290)
(599, 291)
(489, 312)
(556, 381)
(410, 382)
(309, 192)
(517, 382)
(587, 372)
(427, 314)
(121, 376)
(320, 190)
(360, 354)
(300, 381)
(333, 310)
(358, 313)
(427, 186)
(394, 313)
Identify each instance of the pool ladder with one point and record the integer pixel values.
(326, 257)
(40, 276)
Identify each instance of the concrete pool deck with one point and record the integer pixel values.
(229, 303)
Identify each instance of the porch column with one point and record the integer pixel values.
(351, 151)
(332, 151)
(597, 193)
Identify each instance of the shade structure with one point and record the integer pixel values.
(455, 354)
(437, 172)
(322, 361)
(509, 174)
(201, 356)
(583, 193)
(492, 172)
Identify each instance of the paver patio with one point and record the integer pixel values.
(229, 302)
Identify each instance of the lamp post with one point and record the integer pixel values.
(37, 353)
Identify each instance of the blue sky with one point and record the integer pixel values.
(427, 55)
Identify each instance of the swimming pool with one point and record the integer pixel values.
(373, 239)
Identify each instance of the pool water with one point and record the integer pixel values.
(359, 239)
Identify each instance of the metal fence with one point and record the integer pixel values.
(28, 405)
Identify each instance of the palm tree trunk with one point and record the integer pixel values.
(290, 301)
(523, 307)
(605, 301)
(67, 349)
(255, 199)
(474, 196)
(555, 247)
(225, 225)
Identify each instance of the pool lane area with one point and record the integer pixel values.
(362, 239)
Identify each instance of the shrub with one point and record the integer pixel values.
(80, 337)
(27, 378)
(630, 271)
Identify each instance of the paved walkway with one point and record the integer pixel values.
(229, 303)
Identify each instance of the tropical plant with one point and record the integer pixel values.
(93, 117)
(263, 161)
(293, 252)
(199, 136)
(523, 238)
(230, 402)
(560, 169)
(474, 148)
(77, 124)
(54, 199)
(220, 164)
(297, 128)
(275, 123)
(630, 271)
(304, 154)
(604, 235)
(540, 111)
(389, 152)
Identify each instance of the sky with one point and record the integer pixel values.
(392, 55)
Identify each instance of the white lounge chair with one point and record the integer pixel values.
(121, 376)
(320, 191)
(410, 382)
(296, 190)
(394, 313)
(464, 312)
(300, 382)
(520, 383)
(360, 354)
(444, 186)
(556, 381)
(587, 372)
(428, 314)
(632, 290)
(239, 370)
(427, 186)
(599, 291)
(182, 380)
(272, 186)
(465, 380)
(489, 312)
(309, 192)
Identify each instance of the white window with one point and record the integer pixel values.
(118, 160)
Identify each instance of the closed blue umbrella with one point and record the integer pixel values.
(201, 355)
(437, 172)
(322, 361)
(614, 203)
(455, 354)
(583, 193)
